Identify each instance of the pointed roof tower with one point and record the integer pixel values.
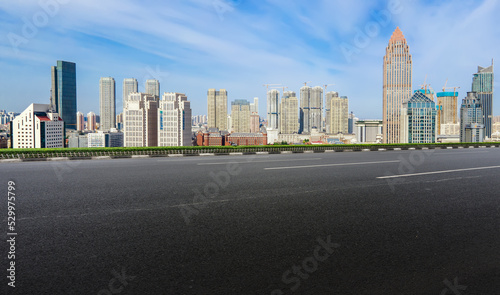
(397, 36)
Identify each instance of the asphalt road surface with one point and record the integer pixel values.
(395, 222)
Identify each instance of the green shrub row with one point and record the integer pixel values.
(226, 149)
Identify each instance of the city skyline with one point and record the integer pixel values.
(320, 51)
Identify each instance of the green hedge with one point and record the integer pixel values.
(226, 149)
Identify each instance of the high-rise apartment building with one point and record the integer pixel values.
(91, 121)
(418, 119)
(140, 120)
(63, 92)
(130, 85)
(38, 127)
(240, 116)
(153, 87)
(217, 109)
(446, 109)
(482, 85)
(107, 99)
(311, 109)
(174, 120)
(273, 98)
(254, 116)
(328, 124)
(471, 119)
(254, 107)
(339, 115)
(397, 85)
(289, 113)
(80, 121)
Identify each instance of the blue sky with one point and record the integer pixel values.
(239, 45)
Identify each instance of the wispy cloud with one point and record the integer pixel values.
(240, 45)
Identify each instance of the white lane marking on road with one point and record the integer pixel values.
(438, 172)
(248, 162)
(331, 165)
(447, 153)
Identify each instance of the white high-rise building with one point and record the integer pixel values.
(174, 120)
(38, 127)
(254, 107)
(339, 112)
(130, 85)
(289, 113)
(311, 108)
(140, 120)
(153, 87)
(107, 99)
(328, 122)
(273, 109)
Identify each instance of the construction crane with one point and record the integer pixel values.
(305, 83)
(425, 85)
(326, 86)
(284, 87)
(272, 86)
(454, 88)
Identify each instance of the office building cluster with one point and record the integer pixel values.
(313, 115)
(418, 117)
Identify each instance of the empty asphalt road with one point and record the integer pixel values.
(394, 222)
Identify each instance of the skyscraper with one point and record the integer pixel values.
(482, 84)
(129, 85)
(254, 107)
(397, 85)
(254, 116)
(311, 108)
(240, 116)
(80, 121)
(418, 119)
(446, 109)
(140, 120)
(339, 113)
(107, 99)
(63, 92)
(153, 87)
(273, 98)
(91, 121)
(217, 109)
(329, 96)
(289, 113)
(174, 120)
(471, 119)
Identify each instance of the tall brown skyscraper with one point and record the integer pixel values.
(397, 85)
